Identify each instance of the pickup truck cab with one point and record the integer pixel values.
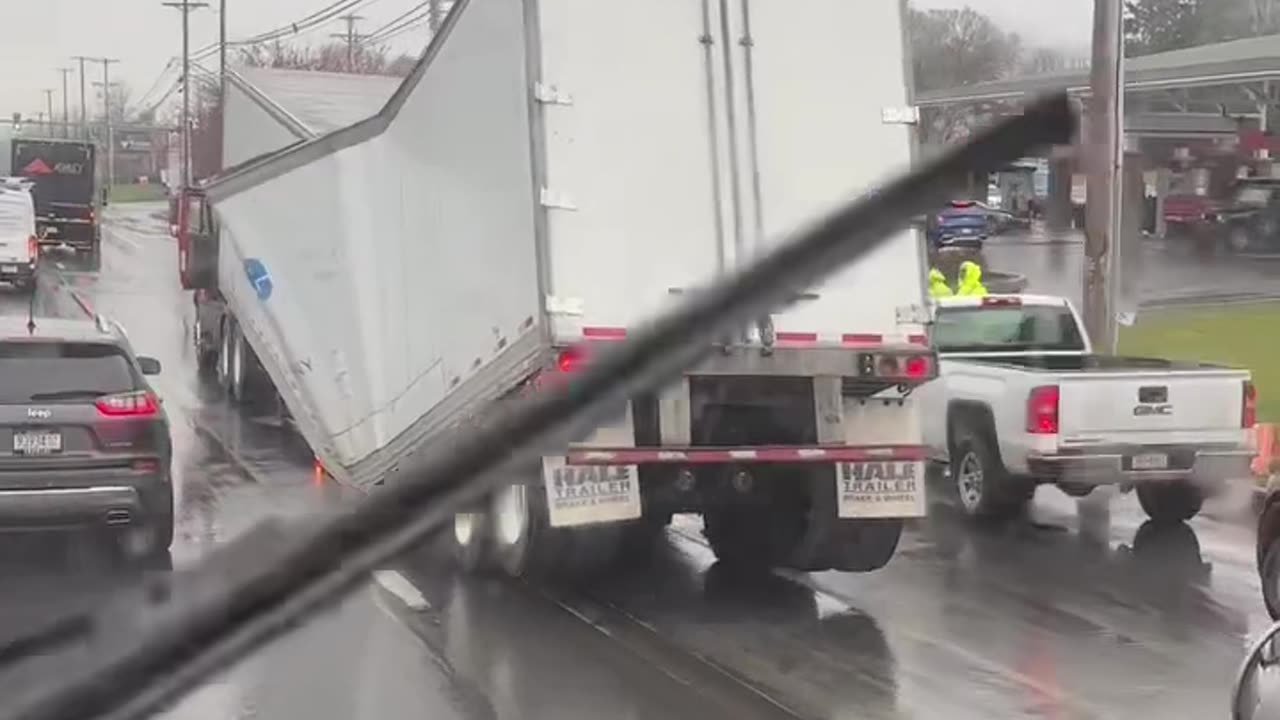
(1022, 400)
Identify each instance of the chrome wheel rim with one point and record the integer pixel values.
(464, 528)
(512, 513)
(969, 481)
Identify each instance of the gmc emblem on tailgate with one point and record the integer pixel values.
(1143, 410)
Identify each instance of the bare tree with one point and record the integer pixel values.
(329, 57)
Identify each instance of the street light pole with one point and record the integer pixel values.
(186, 6)
(1104, 155)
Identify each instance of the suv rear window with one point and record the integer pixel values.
(38, 371)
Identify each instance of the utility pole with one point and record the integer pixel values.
(222, 79)
(186, 6)
(48, 101)
(66, 127)
(434, 16)
(84, 117)
(351, 37)
(106, 119)
(1103, 146)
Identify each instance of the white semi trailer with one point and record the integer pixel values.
(550, 174)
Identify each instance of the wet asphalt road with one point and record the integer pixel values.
(1079, 611)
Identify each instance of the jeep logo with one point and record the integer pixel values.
(38, 413)
(1145, 410)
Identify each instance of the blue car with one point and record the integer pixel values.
(960, 224)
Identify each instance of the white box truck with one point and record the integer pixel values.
(552, 173)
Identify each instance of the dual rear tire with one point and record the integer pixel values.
(511, 533)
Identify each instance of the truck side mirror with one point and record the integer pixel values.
(148, 365)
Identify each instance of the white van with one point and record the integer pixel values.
(19, 247)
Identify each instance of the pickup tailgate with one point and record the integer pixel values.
(1194, 406)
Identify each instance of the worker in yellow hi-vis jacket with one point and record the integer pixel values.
(938, 286)
(971, 279)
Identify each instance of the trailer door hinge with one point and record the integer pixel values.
(914, 314)
(558, 200)
(551, 95)
(905, 115)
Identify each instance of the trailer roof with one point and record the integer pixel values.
(322, 101)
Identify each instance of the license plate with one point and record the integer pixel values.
(586, 494)
(1150, 461)
(37, 443)
(881, 489)
(9, 268)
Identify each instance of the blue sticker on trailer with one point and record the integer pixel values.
(259, 278)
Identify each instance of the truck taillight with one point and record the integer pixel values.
(571, 359)
(33, 248)
(917, 366)
(1249, 415)
(1042, 410)
(997, 301)
(896, 366)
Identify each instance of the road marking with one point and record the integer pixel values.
(397, 584)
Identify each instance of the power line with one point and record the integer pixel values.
(426, 4)
(399, 26)
(316, 19)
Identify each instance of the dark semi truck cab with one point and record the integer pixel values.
(65, 194)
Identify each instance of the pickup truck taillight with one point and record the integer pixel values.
(1249, 415)
(1042, 410)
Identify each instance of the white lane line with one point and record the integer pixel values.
(115, 233)
(397, 584)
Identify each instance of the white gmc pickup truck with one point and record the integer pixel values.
(1022, 400)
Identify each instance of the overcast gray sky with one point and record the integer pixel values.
(41, 35)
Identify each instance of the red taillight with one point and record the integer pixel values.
(917, 366)
(135, 404)
(33, 247)
(997, 301)
(1042, 410)
(570, 359)
(1249, 416)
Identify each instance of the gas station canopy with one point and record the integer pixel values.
(1235, 61)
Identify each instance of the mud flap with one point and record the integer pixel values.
(590, 494)
(881, 489)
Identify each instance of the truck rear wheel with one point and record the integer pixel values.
(830, 542)
(1170, 502)
(473, 540)
(527, 546)
(751, 539)
(983, 486)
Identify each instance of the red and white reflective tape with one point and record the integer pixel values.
(789, 338)
(766, 454)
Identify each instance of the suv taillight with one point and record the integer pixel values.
(1042, 410)
(1249, 414)
(33, 248)
(134, 404)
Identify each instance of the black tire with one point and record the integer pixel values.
(473, 550)
(1172, 502)
(750, 539)
(828, 542)
(867, 545)
(1269, 574)
(532, 549)
(981, 484)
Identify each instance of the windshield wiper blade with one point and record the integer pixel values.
(149, 645)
